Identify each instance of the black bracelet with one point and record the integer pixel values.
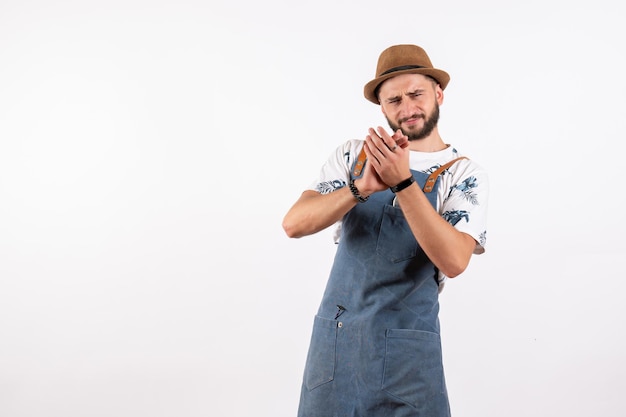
(355, 192)
(402, 184)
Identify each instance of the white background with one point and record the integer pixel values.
(149, 150)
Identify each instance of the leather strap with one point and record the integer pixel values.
(360, 163)
(432, 178)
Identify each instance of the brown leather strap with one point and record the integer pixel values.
(360, 163)
(432, 178)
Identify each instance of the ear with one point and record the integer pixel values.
(439, 94)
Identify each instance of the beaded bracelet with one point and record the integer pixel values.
(355, 192)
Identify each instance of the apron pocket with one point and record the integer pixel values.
(320, 362)
(395, 238)
(413, 370)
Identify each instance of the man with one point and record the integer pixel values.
(410, 212)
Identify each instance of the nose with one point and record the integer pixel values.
(406, 108)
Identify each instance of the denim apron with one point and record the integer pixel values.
(375, 348)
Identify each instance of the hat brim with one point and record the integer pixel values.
(369, 90)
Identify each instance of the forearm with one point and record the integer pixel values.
(449, 249)
(314, 212)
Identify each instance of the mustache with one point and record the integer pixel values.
(413, 116)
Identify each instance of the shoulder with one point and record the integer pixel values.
(352, 147)
(346, 153)
(429, 162)
(465, 180)
(335, 172)
(464, 166)
(469, 171)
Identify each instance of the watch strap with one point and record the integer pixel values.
(402, 184)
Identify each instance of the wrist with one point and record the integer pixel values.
(402, 184)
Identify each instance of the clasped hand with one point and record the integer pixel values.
(387, 160)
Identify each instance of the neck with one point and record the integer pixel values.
(431, 143)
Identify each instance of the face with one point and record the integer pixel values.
(410, 102)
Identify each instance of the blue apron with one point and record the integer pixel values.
(375, 348)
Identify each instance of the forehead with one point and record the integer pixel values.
(403, 83)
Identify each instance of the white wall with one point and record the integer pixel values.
(149, 150)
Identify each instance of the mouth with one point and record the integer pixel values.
(412, 120)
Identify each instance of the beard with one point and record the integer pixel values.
(430, 123)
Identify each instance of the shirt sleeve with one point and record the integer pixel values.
(335, 173)
(464, 195)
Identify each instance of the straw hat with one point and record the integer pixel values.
(403, 59)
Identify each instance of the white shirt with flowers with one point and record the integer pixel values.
(461, 196)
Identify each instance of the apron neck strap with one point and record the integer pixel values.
(432, 178)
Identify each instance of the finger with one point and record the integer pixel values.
(394, 141)
(386, 140)
(376, 142)
(368, 151)
(401, 139)
(398, 134)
